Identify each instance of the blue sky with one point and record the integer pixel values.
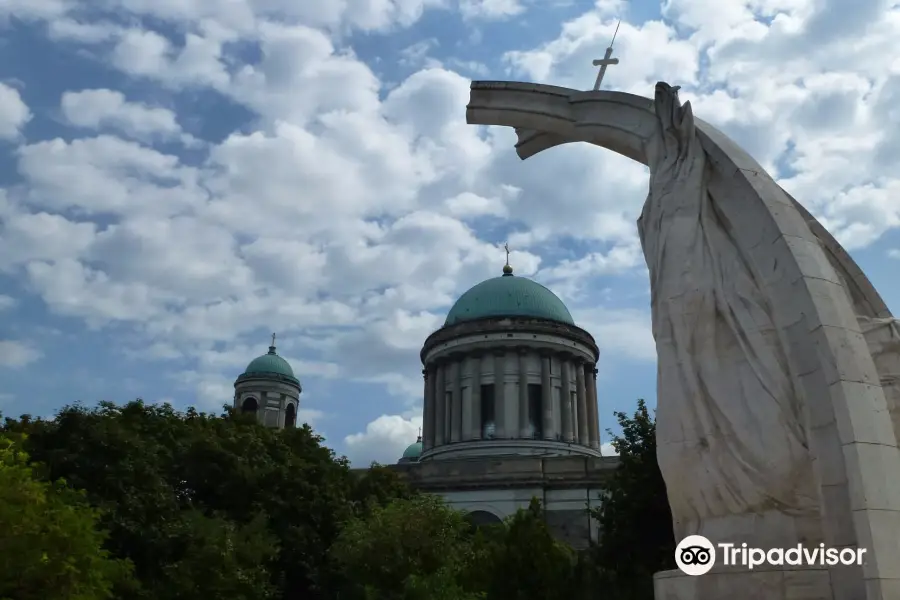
(181, 179)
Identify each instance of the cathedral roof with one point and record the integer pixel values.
(270, 365)
(508, 296)
(413, 451)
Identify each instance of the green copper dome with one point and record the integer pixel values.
(413, 451)
(508, 296)
(270, 364)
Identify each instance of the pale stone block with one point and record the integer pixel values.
(674, 585)
(862, 415)
(837, 519)
(812, 584)
(844, 355)
(872, 475)
(828, 305)
(880, 536)
(882, 589)
(828, 455)
(803, 359)
(810, 257)
(847, 582)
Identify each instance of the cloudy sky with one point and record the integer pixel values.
(182, 177)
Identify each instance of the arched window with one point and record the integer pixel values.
(482, 518)
(290, 417)
(249, 406)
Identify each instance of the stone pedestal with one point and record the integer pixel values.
(762, 583)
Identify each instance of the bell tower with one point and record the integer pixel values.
(268, 389)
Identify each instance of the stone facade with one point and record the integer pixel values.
(510, 386)
(273, 398)
(567, 487)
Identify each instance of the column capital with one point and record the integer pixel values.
(522, 350)
(424, 373)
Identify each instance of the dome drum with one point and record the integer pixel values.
(505, 331)
(509, 373)
(487, 394)
(268, 389)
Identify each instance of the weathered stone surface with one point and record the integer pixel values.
(812, 295)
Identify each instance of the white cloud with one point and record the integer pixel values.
(383, 441)
(14, 113)
(490, 9)
(620, 333)
(108, 109)
(608, 450)
(7, 302)
(348, 211)
(16, 354)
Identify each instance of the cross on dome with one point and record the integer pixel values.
(507, 270)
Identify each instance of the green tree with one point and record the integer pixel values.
(49, 541)
(409, 549)
(521, 560)
(636, 524)
(206, 506)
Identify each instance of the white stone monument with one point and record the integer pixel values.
(778, 361)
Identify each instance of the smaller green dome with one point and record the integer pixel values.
(269, 364)
(413, 451)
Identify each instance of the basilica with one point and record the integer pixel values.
(510, 408)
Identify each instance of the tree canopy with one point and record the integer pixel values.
(141, 502)
(50, 543)
(636, 538)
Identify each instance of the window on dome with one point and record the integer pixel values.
(535, 410)
(290, 417)
(488, 425)
(249, 406)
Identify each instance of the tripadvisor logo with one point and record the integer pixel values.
(696, 555)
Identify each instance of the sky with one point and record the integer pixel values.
(181, 178)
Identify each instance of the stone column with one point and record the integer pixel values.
(583, 415)
(428, 410)
(500, 395)
(466, 400)
(475, 399)
(546, 399)
(440, 388)
(456, 402)
(593, 411)
(523, 394)
(565, 401)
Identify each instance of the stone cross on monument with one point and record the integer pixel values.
(606, 60)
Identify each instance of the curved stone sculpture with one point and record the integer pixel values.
(806, 278)
(730, 429)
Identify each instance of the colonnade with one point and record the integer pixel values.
(453, 406)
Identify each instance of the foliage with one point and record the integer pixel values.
(207, 506)
(635, 520)
(419, 549)
(410, 549)
(189, 506)
(48, 539)
(523, 561)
